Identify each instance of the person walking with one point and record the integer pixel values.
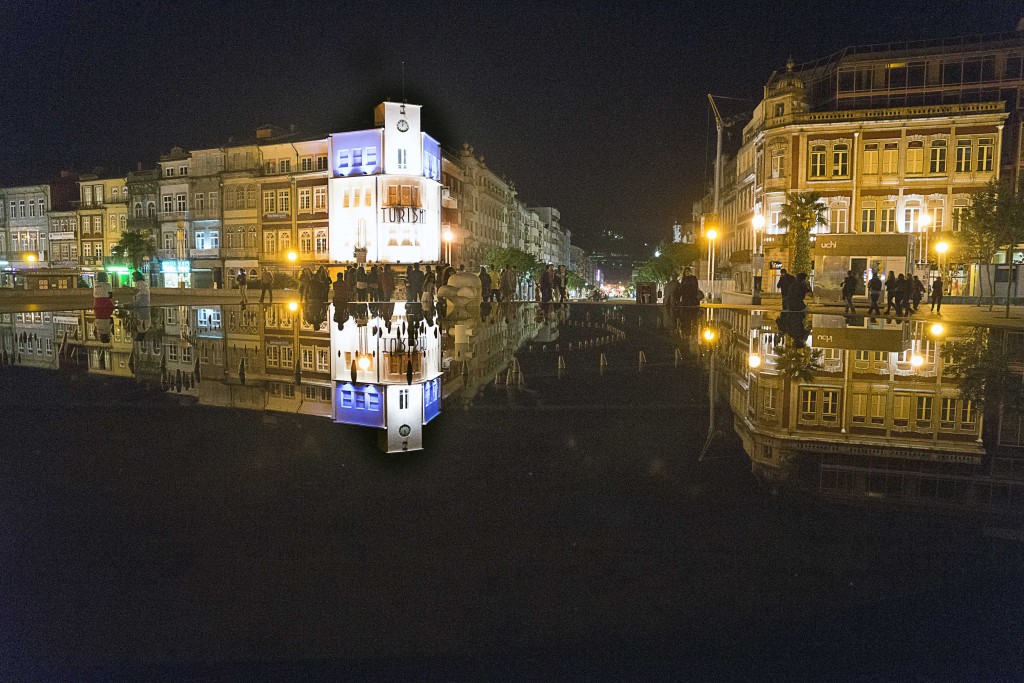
(902, 295)
(141, 305)
(916, 292)
(243, 284)
(849, 289)
(547, 284)
(485, 284)
(795, 294)
(429, 289)
(874, 294)
(387, 283)
(413, 283)
(267, 286)
(891, 291)
(937, 295)
(563, 287)
(785, 282)
(688, 293)
(671, 294)
(373, 283)
(342, 294)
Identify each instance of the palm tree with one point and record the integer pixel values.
(801, 213)
(135, 246)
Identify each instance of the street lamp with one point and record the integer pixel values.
(293, 256)
(711, 234)
(181, 254)
(754, 361)
(447, 235)
(923, 221)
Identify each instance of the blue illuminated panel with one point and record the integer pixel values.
(357, 153)
(358, 404)
(431, 158)
(431, 399)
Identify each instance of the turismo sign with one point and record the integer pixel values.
(399, 214)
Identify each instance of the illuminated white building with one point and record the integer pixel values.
(385, 190)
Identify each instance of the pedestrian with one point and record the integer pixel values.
(517, 293)
(874, 294)
(556, 283)
(342, 296)
(495, 284)
(547, 283)
(891, 292)
(372, 283)
(267, 286)
(849, 289)
(362, 286)
(413, 282)
(324, 280)
(141, 305)
(305, 281)
(937, 295)
(916, 292)
(795, 294)
(103, 307)
(902, 295)
(485, 284)
(447, 273)
(785, 282)
(429, 289)
(671, 294)
(688, 293)
(243, 284)
(387, 283)
(564, 289)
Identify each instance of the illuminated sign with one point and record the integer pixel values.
(62, 235)
(392, 214)
(356, 153)
(175, 267)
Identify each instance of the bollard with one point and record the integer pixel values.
(561, 362)
(603, 362)
(642, 358)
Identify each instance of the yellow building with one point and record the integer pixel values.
(102, 217)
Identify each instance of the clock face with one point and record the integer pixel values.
(403, 125)
(404, 430)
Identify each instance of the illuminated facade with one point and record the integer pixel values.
(887, 135)
(23, 238)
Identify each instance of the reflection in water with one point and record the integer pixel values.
(859, 408)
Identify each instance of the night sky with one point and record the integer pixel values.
(597, 108)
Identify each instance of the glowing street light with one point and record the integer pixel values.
(31, 258)
(657, 253)
(708, 334)
(754, 361)
(293, 256)
(937, 329)
(942, 248)
(924, 220)
(363, 363)
(448, 236)
(916, 360)
(757, 221)
(293, 306)
(712, 235)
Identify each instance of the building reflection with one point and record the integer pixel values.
(856, 408)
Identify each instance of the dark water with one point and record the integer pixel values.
(562, 528)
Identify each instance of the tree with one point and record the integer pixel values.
(986, 366)
(995, 220)
(658, 269)
(134, 247)
(573, 281)
(978, 235)
(682, 254)
(801, 213)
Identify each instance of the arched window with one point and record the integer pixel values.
(124, 222)
(151, 210)
(138, 210)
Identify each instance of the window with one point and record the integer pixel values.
(214, 198)
(370, 156)
(321, 242)
(319, 197)
(98, 192)
(901, 410)
(817, 168)
(912, 219)
(963, 156)
(323, 359)
(937, 158)
(937, 218)
(169, 172)
(270, 242)
(14, 210)
(305, 199)
(273, 356)
(958, 213)
(87, 249)
(137, 210)
(21, 208)
(285, 166)
(924, 411)
(169, 240)
(186, 354)
(947, 413)
(270, 168)
(887, 219)
(307, 358)
(42, 205)
(830, 404)
(32, 208)
(181, 202)
(403, 157)
(183, 170)
(114, 195)
(284, 201)
(287, 356)
(915, 157)
(780, 109)
(867, 219)
(890, 158)
(967, 414)
(841, 160)
(778, 163)
(321, 162)
(838, 220)
(250, 197)
(112, 223)
(151, 210)
(306, 164)
(403, 399)
(808, 404)
(200, 201)
(305, 241)
(870, 165)
(985, 154)
(269, 201)
(860, 407)
(878, 408)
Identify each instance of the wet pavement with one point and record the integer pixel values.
(558, 529)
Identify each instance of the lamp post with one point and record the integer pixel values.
(447, 236)
(711, 234)
(757, 258)
(923, 221)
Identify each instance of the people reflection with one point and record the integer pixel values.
(792, 324)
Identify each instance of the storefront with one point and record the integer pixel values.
(176, 274)
(864, 254)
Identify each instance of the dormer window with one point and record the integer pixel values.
(780, 109)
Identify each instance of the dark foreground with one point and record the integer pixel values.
(560, 531)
